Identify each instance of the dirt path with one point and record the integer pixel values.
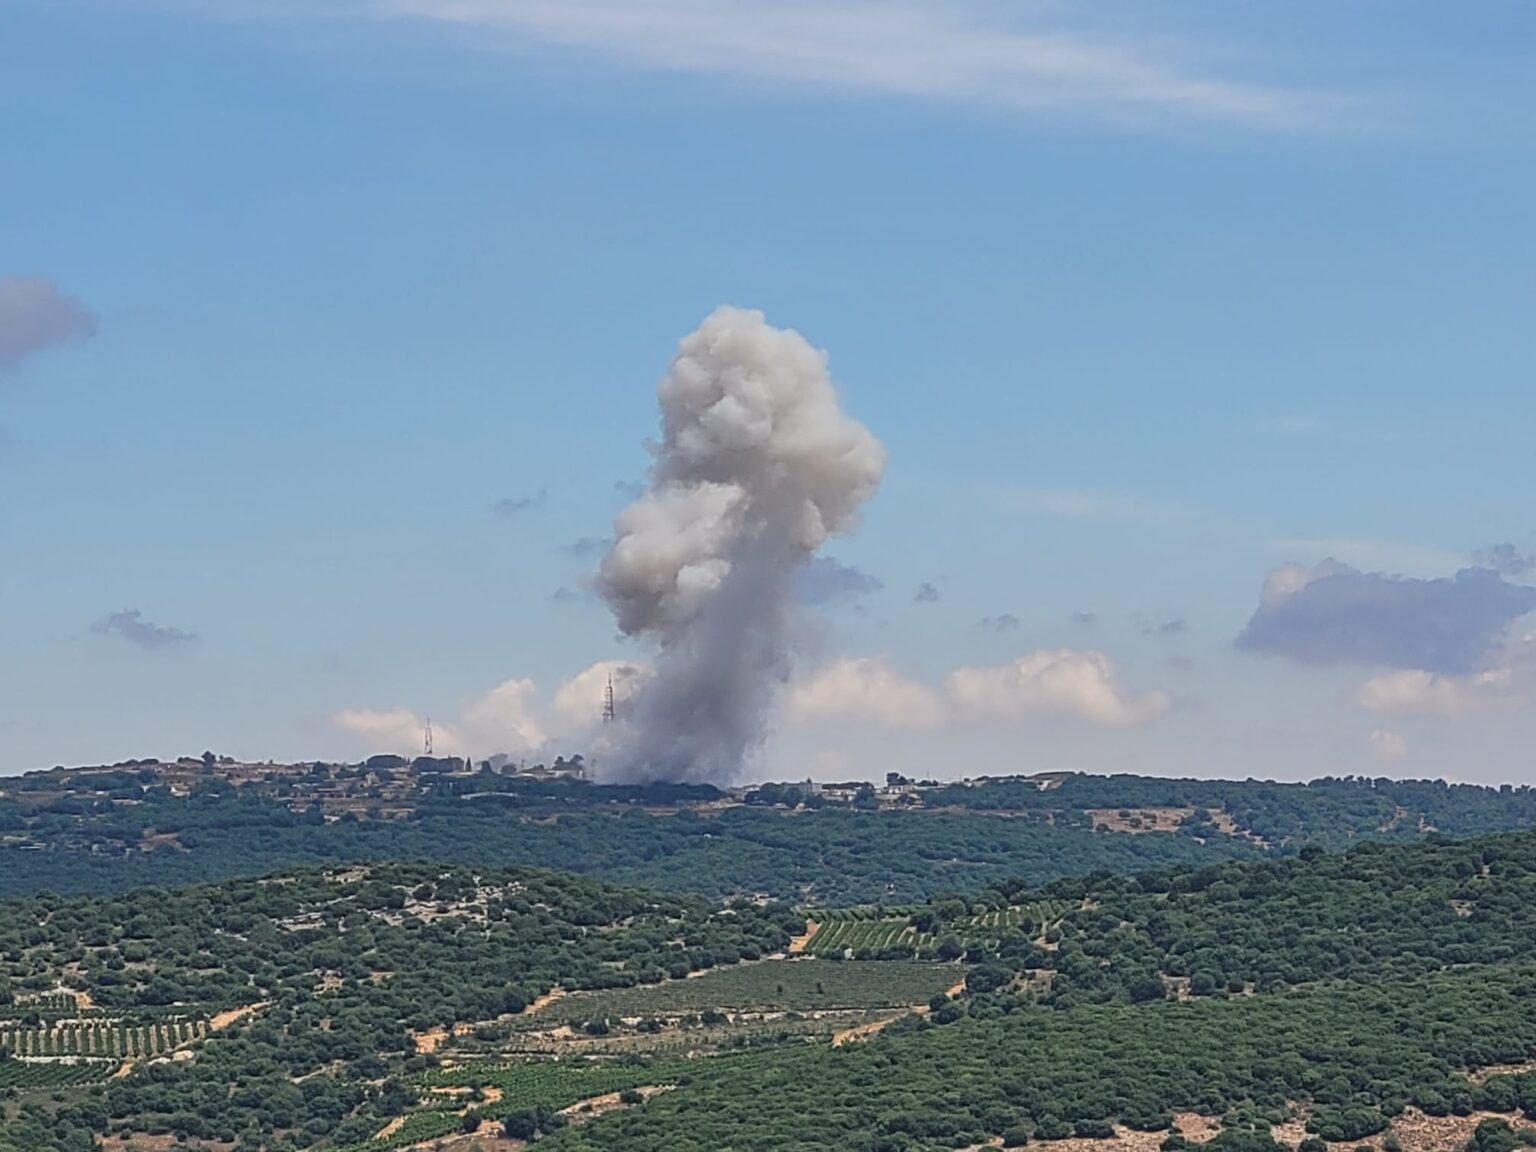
(123, 1070)
(1484, 1074)
(542, 1002)
(799, 943)
(862, 1031)
(229, 1019)
(429, 1041)
(594, 1106)
(874, 1027)
(390, 1129)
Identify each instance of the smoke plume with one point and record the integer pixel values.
(756, 468)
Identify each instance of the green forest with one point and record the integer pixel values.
(964, 838)
(1306, 998)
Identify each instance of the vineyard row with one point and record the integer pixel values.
(103, 1038)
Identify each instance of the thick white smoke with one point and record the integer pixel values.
(756, 468)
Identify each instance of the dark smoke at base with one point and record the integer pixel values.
(756, 468)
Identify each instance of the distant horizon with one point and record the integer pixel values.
(746, 784)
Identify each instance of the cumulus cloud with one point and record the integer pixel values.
(130, 625)
(501, 720)
(1507, 559)
(824, 580)
(1415, 691)
(1003, 622)
(35, 315)
(927, 593)
(1387, 745)
(578, 703)
(1069, 682)
(397, 730)
(867, 689)
(1335, 614)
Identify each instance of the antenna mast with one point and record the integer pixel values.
(427, 739)
(610, 714)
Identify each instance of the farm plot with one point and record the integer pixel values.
(736, 1029)
(840, 936)
(99, 1038)
(51, 1004)
(787, 985)
(513, 1088)
(28, 1075)
(878, 930)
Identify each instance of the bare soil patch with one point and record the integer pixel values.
(862, 1031)
(429, 1041)
(544, 1001)
(390, 1129)
(584, 1110)
(1138, 821)
(800, 943)
(1415, 1130)
(229, 1019)
(1488, 1073)
(1196, 1129)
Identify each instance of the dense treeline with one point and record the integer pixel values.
(1330, 811)
(829, 856)
(1358, 1053)
(1375, 912)
(1358, 983)
(343, 966)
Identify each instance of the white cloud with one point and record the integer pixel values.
(1083, 685)
(866, 689)
(501, 720)
(1417, 692)
(578, 703)
(1386, 745)
(961, 51)
(397, 730)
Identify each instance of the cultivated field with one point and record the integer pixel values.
(784, 985)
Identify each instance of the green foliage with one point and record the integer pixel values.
(342, 965)
(794, 985)
(1351, 1048)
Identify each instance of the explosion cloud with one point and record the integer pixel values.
(756, 468)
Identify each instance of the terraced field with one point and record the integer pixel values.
(787, 985)
(28, 1074)
(855, 931)
(99, 1037)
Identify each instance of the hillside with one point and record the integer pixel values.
(113, 830)
(375, 1007)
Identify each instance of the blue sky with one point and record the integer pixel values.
(1145, 302)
